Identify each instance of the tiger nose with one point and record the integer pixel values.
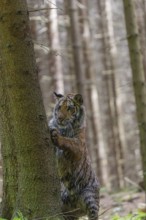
(60, 117)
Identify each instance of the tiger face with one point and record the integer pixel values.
(68, 108)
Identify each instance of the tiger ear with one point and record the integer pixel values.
(78, 99)
(58, 96)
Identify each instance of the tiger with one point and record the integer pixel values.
(79, 184)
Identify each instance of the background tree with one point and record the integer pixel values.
(77, 47)
(113, 97)
(138, 76)
(110, 121)
(34, 187)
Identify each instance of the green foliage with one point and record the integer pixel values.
(18, 216)
(137, 216)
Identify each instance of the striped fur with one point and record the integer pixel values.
(79, 185)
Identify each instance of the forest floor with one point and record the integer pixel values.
(121, 203)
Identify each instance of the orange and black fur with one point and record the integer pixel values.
(79, 185)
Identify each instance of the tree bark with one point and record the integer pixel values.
(38, 185)
(10, 174)
(138, 75)
(141, 16)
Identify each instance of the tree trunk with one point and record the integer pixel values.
(125, 98)
(138, 75)
(77, 47)
(91, 89)
(55, 53)
(141, 16)
(38, 186)
(8, 151)
(110, 120)
(70, 77)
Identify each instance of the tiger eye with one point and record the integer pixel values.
(71, 109)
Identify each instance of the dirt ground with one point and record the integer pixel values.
(121, 203)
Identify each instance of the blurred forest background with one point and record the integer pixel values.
(81, 46)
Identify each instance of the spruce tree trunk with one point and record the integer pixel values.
(25, 131)
(56, 67)
(77, 47)
(91, 89)
(138, 75)
(8, 152)
(109, 112)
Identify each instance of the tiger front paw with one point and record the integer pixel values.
(54, 136)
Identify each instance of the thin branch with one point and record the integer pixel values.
(58, 214)
(54, 52)
(106, 210)
(40, 9)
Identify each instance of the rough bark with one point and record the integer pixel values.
(141, 16)
(138, 75)
(8, 152)
(38, 20)
(38, 186)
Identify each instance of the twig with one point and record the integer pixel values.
(133, 183)
(50, 217)
(40, 9)
(105, 211)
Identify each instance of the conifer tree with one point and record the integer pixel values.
(30, 178)
(138, 75)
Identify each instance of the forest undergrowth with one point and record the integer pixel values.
(129, 204)
(123, 205)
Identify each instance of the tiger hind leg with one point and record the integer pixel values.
(91, 202)
(68, 209)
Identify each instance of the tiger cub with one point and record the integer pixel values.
(79, 185)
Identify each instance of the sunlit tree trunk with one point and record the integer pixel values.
(111, 119)
(70, 80)
(77, 47)
(96, 46)
(91, 87)
(56, 62)
(138, 75)
(37, 193)
(125, 97)
(141, 16)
